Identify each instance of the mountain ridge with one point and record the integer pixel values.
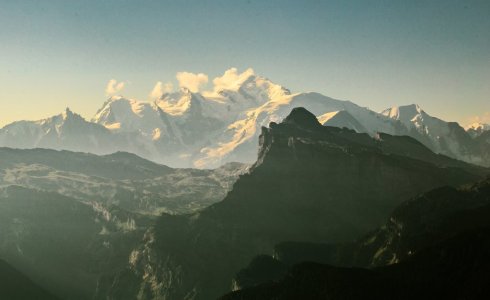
(209, 128)
(310, 183)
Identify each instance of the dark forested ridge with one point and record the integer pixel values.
(434, 246)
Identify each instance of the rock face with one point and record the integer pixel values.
(15, 286)
(311, 183)
(435, 245)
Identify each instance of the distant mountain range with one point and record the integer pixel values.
(186, 129)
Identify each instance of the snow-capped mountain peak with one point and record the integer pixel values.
(341, 119)
(414, 117)
(405, 113)
(245, 89)
(326, 117)
(209, 128)
(444, 137)
(175, 104)
(128, 115)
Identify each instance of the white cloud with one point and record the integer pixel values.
(231, 79)
(192, 81)
(160, 89)
(113, 87)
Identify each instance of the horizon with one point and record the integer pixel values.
(375, 54)
(115, 88)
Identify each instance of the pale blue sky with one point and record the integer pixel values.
(55, 54)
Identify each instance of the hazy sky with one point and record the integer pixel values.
(55, 54)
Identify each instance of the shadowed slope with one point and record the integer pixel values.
(16, 286)
(435, 246)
